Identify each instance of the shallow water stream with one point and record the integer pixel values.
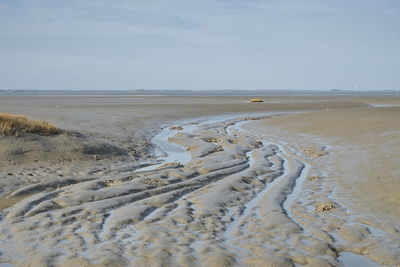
(177, 153)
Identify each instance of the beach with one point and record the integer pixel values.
(297, 180)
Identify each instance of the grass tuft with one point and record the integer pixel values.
(13, 125)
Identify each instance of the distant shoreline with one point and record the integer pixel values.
(333, 92)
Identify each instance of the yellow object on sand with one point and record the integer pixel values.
(256, 100)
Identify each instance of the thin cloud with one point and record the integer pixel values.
(297, 6)
(211, 43)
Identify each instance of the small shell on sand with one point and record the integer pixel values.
(96, 157)
(256, 100)
(219, 148)
(313, 178)
(211, 140)
(176, 127)
(233, 141)
(325, 207)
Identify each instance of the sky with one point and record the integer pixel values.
(199, 44)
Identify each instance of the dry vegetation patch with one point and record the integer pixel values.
(13, 125)
(256, 100)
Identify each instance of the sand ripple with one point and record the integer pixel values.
(242, 199)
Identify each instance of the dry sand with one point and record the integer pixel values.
(296, 189)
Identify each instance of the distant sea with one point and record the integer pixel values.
(194, 92)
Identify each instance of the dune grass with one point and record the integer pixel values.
(13, 125)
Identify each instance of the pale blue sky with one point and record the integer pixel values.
(200, 44)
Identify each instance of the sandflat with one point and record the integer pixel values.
(295, 180)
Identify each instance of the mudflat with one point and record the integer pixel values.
(206, 181)
(366, 152)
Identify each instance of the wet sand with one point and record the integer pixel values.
(252, 187)
(354, 171)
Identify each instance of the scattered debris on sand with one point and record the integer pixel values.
(96, 157)
(176, 128)
(325, 207)
(254, 118)
(191, 147)
(171, 139)
(313, 178)
(312, 153)
(211, 140)
(109, 183)
(170, 165)
(233, 141)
